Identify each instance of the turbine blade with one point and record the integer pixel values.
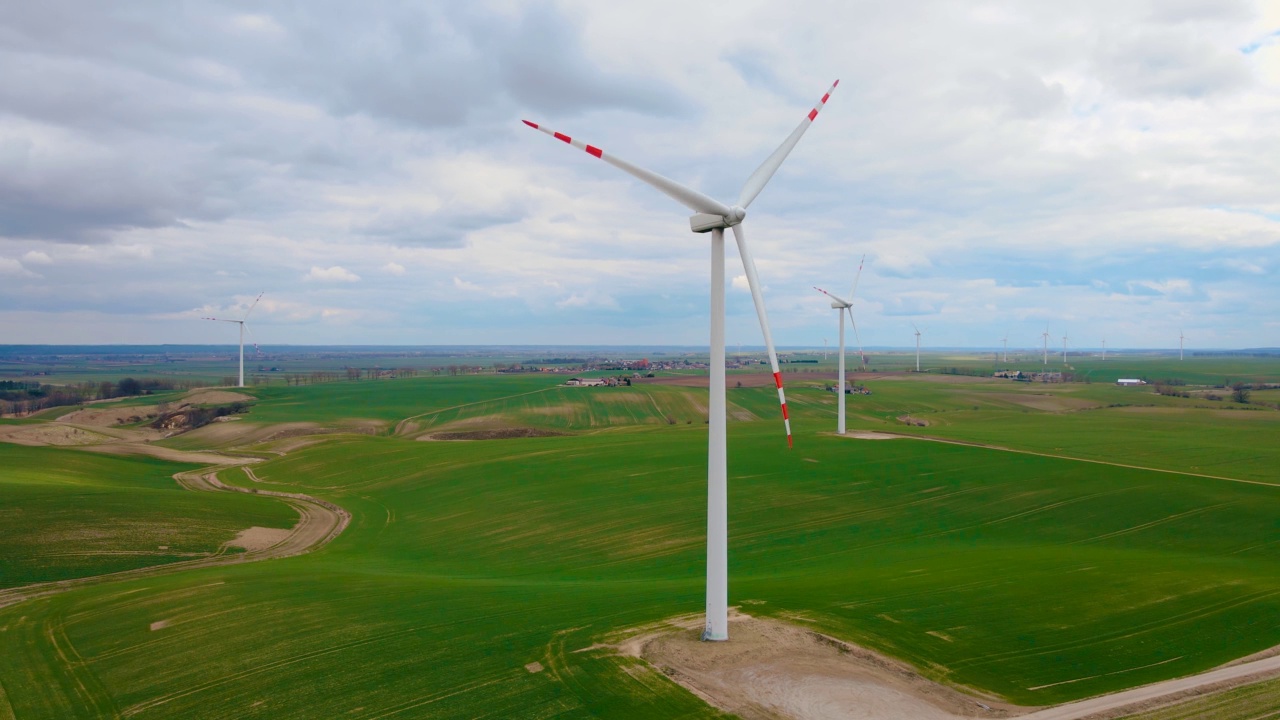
(854, 323)
(749, 265)
(854, 292)
(252, 340)
(254, 305)
(833, 297)
(686, 196)
(220, 320)
(761, 176)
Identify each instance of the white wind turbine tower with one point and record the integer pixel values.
(1005, 341)
(1046, 346)
(913, 327)
(824, 349)
(1104, 349)
(714, 216)
(240, 322)
(1064, 349)
(842, 306)
(1180, 339)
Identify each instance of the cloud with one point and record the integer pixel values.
(589, 299)
(393, 268)
(37, 257)
(9, 266)
(331, 274)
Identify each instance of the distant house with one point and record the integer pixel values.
(585, 382)
(1130, 381)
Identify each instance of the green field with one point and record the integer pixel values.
(1040, 579)
(69, 513)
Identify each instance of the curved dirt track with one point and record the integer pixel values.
(318, 523)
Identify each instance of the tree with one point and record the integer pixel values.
(129, 386)
(1240, 393)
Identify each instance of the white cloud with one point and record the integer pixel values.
(336, 273)
(393, 268)
(37, 257)
(9, 266)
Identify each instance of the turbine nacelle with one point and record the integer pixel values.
(706, 222)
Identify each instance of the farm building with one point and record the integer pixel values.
(585, 382)
(1130, 381)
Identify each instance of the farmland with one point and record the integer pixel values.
(1038, 578)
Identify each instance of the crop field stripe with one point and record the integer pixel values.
(73, 670)
(1190, 615)
(1115, 672)
(971, 443)
(1153, 523)
(259, 669)
(472, 404)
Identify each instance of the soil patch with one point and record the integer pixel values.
(259, 538)
(216, 397)
(49, 434)
(106, 417)
(497, 434)
(914, 421)
(870, 435)
(771, 669)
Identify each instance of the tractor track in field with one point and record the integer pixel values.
(882, 435)
(319, 522)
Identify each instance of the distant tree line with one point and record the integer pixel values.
(20, 397)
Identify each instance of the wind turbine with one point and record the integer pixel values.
(1005, 341)
(1104, 349)
(1046, 345)
(824, 349)
(240, 322)
(714, 216)
(841, 306)
(1180, 339)
(913, 327)
(1064, 349)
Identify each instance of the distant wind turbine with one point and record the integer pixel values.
(1104, 349)
(1046, 345)
(913, 327)
(1064, 349)
(240, 322)
(713, 216)
(1180, 339)
(1005, 341)
(841, 306)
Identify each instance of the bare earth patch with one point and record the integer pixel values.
(871, 435)
(216, 397)
(49, 434)
(259, 538)
(770, 669)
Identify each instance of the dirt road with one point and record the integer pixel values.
(318, 523)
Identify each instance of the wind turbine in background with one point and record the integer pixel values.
(1005, 341)
(1104, 349)
(824, 349)
(240, 322)
(1180, 339)
(841, 306)
(1064, 349)
(1046, 345)
(913, 327)
(714, 216)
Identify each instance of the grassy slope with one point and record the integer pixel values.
(467, 560)
(68, 513)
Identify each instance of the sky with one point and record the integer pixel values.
(1099, 170)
